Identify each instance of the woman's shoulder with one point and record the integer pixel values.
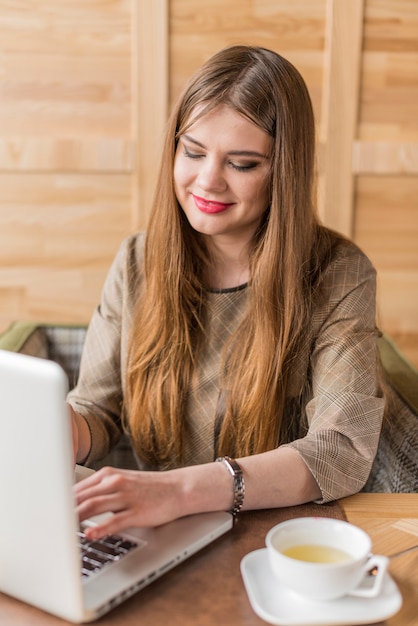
(133, 245)
(130, 254)
(346, 269)
(126, 270)
(347, 256)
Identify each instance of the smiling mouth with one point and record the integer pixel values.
(211, 206)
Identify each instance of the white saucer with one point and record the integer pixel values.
(277, 605)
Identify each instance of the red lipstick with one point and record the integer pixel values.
(210, 206)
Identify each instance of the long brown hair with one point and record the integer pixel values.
(285, 261)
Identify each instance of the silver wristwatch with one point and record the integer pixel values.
(239, 487)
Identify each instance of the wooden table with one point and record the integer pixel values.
(207, 590)
(392, 522)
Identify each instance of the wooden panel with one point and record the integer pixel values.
(391, 25)
(294, 29)
(384, 157)
(66, 155)
(57, 256)
(72, 91)
(78, 219)
(398, 302)
(387, 229)
(12, 304)
(389, 98)
(387, 221)
(65, 106)
(65, 69)
(150, 99)
(339, 111)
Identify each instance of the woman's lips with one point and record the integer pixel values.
(210, 206)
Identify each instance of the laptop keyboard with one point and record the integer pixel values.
(97, 554)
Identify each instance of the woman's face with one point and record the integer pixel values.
(221, 175)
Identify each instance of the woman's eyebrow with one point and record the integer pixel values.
(246, 153)
(190, 138)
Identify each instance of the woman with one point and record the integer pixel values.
(238, 325)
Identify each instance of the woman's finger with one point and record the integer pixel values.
(106, 479)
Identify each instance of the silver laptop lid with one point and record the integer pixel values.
(36, 477)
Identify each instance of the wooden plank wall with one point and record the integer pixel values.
(84, 93)
(78, 146)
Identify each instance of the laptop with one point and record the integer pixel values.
(43, 558)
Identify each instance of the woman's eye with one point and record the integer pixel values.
(191, 155)
(239, 167)
(243, 167)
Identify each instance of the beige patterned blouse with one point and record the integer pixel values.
(340, 416)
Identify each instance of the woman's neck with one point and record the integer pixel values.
(227, 278)
(230, 266)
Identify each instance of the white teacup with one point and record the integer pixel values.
(321, 558)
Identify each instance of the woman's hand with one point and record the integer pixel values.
(135, 498)
(139, 499)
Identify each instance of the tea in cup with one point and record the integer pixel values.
(321, 558)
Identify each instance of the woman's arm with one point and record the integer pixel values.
(345, 410)
(81, 436)
(273, 479)
(97, 398)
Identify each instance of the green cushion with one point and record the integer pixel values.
(395, 468)
(401, 374)
(15, 336)
(60, 343)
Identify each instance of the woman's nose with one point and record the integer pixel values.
(211, 176)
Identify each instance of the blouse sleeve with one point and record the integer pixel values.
(98, 395)
(345, 411)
